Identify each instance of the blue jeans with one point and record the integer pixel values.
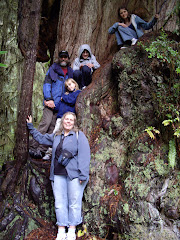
(125, 34)
(83, 77)
(68, 200)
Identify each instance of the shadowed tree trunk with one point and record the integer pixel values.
(28, 34)
(110, 111)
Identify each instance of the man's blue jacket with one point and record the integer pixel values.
(53, 87)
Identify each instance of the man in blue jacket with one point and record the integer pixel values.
(53, 88)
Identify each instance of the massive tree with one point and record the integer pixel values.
(113, 112)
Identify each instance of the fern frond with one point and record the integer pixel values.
(172, 153)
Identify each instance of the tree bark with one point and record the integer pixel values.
(88, 21)
(116, 105)
(28, 35)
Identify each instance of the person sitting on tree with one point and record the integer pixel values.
(130, 27)
(84, 66)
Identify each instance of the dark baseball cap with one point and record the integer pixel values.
(63, 53)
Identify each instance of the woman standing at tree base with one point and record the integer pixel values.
(69, 171)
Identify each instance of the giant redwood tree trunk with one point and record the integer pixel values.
(88, 21)
(107, 112)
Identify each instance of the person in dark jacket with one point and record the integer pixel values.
(67, 104)
(53, 88)
(68, 99)
(69, 171)
(130, 27)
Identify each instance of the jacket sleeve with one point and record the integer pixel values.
(70, 98)
(57, 106)
(113, 28)
(70, 72)
(46, 139)
(76, 65)
(47, 87)
(145, 25)
(94, 61)
(84, 156)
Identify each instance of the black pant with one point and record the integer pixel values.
(83, 77)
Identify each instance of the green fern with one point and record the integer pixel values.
(150, 131)
(172, 153)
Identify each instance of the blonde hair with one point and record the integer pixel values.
(72, 80)
(61, 127)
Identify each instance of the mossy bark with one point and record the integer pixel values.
(131, 191)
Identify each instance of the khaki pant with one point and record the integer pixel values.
(46, 125)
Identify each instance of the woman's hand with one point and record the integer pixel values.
(123, 25)
(80, 181)
(90, 65)
(29, 119)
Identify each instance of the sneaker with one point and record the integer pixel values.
(83, 87)
(61, 236)
(31, 153)
(71, 236)
(48, 155)
(123, 47)
(134, 40)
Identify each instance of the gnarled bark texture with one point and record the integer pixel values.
(88, 21)
(28, 35)
(131, 192)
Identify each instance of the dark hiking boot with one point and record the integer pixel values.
(37, 154)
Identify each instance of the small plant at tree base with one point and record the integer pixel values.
(174, 122)
(168, 91)
(115, 192)
(151, 130)
(162, 49)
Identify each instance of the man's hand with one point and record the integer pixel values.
(49, 103)
(29, 119)
(156, 16)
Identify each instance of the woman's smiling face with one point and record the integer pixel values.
(123, 13)
(85, 54)
(68, 122)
